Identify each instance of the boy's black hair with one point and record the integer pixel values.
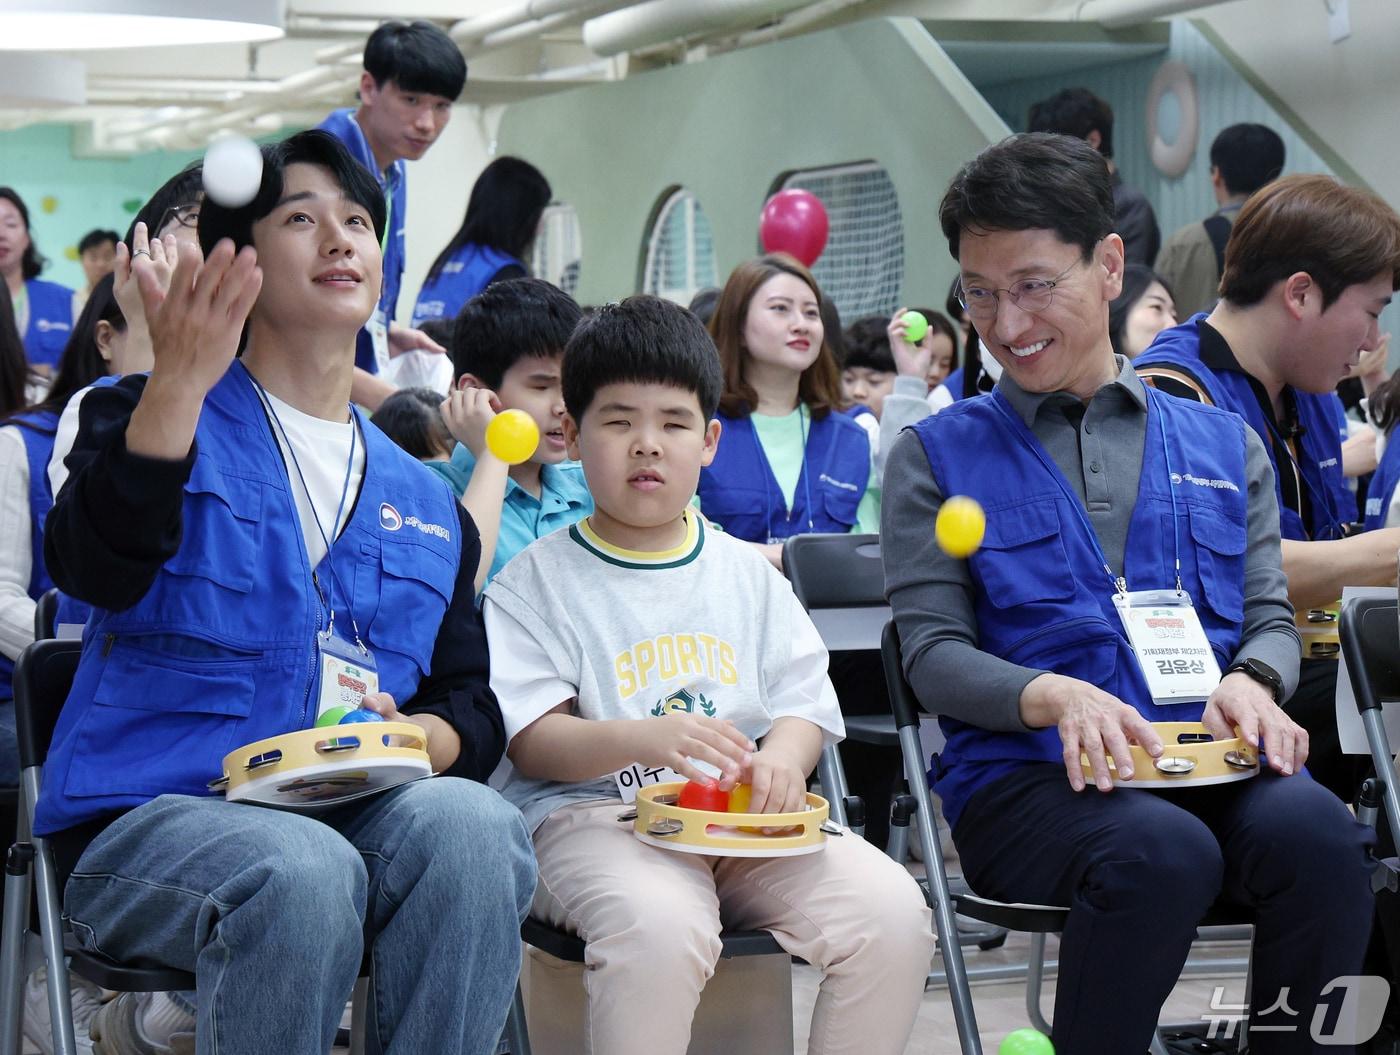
(645, 340)
(33, 261)
(702, 305)
(418, 57)
(867, 345)
(439, 330)
(96, 237)
(313, 147)
(412, 418)
(509, 321)
(1074, 112)
(186, 187)
(1032, 181)
(1248, 156)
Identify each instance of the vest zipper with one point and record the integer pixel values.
(108, 641)
(315, 654)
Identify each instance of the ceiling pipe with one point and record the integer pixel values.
(797, 22)
(1120, 14)
(471, 30)
(660, 21)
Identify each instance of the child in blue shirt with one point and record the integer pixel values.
(507, 344)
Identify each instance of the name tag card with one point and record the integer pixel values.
(1170, 644)
(631, 778)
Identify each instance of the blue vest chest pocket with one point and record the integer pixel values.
(415, 587)
(188, 712)
(1022, 558)
(1220, 543)
(741, 511)
(839, 499)
(220, 522)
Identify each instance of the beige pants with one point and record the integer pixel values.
(652, 917)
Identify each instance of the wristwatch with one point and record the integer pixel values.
(1262, 673)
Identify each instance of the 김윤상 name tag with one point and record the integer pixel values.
(1170, 644)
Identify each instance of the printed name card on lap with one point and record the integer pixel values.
(1170, 645)
(631, 778)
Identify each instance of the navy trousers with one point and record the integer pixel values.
(1140, 868)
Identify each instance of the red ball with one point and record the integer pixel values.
(794, 221)
(703, 796)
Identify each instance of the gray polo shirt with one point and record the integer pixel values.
(1100, 454)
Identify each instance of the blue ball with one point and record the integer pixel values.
(361, 715)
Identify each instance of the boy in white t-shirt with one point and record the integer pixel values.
(642, 636)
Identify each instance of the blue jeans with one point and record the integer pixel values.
(272, 913)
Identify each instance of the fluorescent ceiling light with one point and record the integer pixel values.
(70, 25)
(41, 80)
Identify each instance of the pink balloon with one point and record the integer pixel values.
(794, 221)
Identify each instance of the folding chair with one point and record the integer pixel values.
(1370, 636)
(1037, 920)
(46, 615)
(42, 678)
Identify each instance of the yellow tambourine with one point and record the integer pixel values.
(660, 822)
(1190, 758)
(1318, 632)
(315, 768)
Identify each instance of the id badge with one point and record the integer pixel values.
(630, 779)
(348, 673)
(379, 336)
(1170, 644)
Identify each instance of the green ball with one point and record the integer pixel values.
(915, 326)
(1026, 1042)
(333, 716)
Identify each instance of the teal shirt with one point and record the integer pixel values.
(564, 500)
(783, 442)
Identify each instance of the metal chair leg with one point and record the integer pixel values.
(1035, 982)
(12, 973)
(359, 1014)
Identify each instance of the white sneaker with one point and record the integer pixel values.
(38, 1028)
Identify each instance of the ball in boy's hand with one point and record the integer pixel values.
(960, 526)
(706, 795)
(361, 714)
(915, 326)
(512, 436)
(1026, 1042)
(740, 798)
(332, 716)
(232, 171)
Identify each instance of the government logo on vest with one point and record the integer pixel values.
(389, 518)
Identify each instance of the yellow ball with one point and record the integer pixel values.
(512, 436)
(960, 526)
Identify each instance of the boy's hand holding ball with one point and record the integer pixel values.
(468, 412)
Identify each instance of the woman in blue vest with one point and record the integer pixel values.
(791, 458)
(244, 536)
(43, 310)
(503, 215)
(1383, 410)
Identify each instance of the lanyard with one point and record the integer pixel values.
(316, 517)
(806, 479)
(388, 217)
(1029, 441)
(1322, 500)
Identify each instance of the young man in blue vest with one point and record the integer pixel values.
(1102, 496)
(242, 533)
(413, 74)
(1308, 268)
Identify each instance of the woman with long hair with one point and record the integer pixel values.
(792, 459)
(503, 214)
(43, 311)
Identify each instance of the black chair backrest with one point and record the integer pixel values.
(43, 675)
(46, 615)
(1371, 644)
(836, 571)
(902, 700)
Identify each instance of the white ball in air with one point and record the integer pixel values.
(232, 171)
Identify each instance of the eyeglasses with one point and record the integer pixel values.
(1030, 294)
(186, 215)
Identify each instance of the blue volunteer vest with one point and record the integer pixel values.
(50, 321)
(461, 277)
(37, 434)
(220, 651)
(342, 125)
(1042, 598)
(1319, 447)
(739, 492)
(1383, 481)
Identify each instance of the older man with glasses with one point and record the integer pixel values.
(1104, 498)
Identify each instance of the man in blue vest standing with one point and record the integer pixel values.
(413, 74)
(1104, 497)
(1308, 268)
(254, 548)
